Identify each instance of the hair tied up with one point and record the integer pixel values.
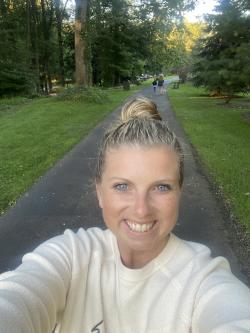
(140, 107)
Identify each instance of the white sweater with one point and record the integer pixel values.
(77, 280)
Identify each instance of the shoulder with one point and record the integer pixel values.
(194, 260)
(87, 240)
(82, 236)
(221, 300)
(192, 265)
(72, 247)
(209, 282)
(95, 238)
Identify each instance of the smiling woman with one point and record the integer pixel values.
(135, 276)
(140, 205)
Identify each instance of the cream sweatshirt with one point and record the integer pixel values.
(77, 283)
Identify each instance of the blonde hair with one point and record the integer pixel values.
(140, 124)
(140, 107)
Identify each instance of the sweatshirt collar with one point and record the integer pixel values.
(130, 274)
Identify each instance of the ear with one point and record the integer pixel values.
(99, 194)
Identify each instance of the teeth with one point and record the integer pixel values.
(138, 227)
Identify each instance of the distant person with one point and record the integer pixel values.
(136, 276)
(154, 83)
(161, 84)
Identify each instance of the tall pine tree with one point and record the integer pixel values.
(223, 58)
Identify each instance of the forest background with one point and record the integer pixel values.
(109, 41)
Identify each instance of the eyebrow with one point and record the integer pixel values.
(118, 178)
(156, 182)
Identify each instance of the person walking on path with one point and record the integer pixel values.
(154, 83)
(160, 84)
(135, 266)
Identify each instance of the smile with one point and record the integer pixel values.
(140, 227)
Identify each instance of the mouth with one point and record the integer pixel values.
(140, 227)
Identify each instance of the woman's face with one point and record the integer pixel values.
(139, 195)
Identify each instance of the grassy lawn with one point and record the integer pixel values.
(221, 135)
(34, 134)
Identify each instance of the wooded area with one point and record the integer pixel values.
(100, 42)
(104, 42)
(222, 58)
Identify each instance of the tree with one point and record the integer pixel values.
(115, 47)
(31, 45)
(180, 43)
(128, 38)
(47, 10)
(16, 75)
(80, 42)
(115, 40)
(60, 13)
(68, 41)
(223, 61)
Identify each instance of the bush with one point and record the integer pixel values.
(16, 81)
(81, 94)
(7, 104)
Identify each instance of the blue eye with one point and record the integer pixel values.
(121, 187)
(163, 187)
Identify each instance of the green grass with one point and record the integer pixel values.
(221, 135)
(34, 134)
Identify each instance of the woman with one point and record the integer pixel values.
(136, 276)
(154, 83)
(160, 83)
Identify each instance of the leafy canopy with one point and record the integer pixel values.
(222, 58)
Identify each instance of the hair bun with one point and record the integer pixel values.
(140, 107)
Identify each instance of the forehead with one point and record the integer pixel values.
(137, 161)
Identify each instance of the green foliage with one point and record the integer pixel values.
(16, 81)
(34, 134)
(69, 49)
(114, 46)
(123, 40)
(10, 105)
(180, 43)
(223, 60)
(128, 40)
(15, 75)
(221, 134)
(81, 94)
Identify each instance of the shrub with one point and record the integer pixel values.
(16, 81)
(81, 94)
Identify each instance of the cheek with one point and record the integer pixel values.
(112, 205)
(112, 212)
(169, 206)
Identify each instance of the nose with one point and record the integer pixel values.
(142, 207)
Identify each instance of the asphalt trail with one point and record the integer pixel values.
(64, 198)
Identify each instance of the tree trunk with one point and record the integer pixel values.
(88, 54)
(80, 42)
(59, 15)
(28, 32)
(34, 42)
(47, 19)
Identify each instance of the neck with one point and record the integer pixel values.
(136, 259)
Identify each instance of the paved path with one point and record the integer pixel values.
(64, 198)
